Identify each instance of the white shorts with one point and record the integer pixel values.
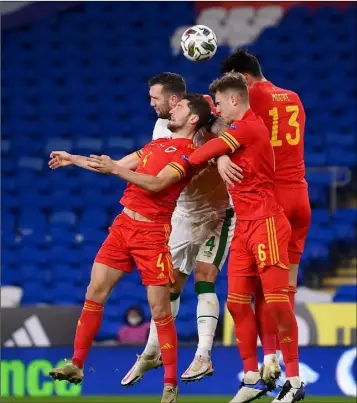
(205, 241)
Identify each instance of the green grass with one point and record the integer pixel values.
(156, 399)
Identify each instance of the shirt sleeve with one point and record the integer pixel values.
(138, 153)
(180, 163)
(236, 136)
(213, 148)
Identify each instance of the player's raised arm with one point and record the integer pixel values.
(222, 145)
(60, 159)
(171, 173)
(130, 161)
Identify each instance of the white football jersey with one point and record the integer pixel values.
(206, 194)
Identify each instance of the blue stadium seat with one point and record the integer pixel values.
(9, 276)
(63, 217)
(94, 218)
(30, 221)
(108, 330)
(63, 290)
(8, 257)
(347, 215)
(320, 216)
(33, 238)
(58, 144)
(63, 254)
(92, 235)
(7, 222)
(61, 234)
(346, 293)
(36, 293)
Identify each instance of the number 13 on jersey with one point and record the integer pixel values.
(292, 138)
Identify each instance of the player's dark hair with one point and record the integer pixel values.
(241, 61)
(171, 82)
(231, 81)
(199, 106)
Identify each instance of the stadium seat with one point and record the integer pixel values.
(346, 293)
(345, 215)
(63, 217)
(30, 221)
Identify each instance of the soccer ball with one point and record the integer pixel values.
(199, 43)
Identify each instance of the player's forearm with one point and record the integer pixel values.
(130, 161)
(146, 182)
(81, 162)
(212, 149)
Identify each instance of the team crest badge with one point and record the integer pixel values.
(170, 149)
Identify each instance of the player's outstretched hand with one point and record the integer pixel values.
(229, 171)
(60, 159)
(101, 163)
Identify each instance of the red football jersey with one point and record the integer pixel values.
(284, 116)
(159, 206)
(248, 141)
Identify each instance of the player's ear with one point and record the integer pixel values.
(234, 99)
(194, 119)
(173, 101)
(249, 79)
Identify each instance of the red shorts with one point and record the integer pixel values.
(260, 248)
(296, 205)
(144, 244)
(259, 243)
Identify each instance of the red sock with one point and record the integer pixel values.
(280, 308)
(87, 328)
(239, 305)
(291, 295)
(167, 335)
(266, 323)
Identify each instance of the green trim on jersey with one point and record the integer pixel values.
(224, 237)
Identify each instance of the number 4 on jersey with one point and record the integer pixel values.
(210, 243)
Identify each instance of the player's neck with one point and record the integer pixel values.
(241, 112)
(183, 134)
(261, 79)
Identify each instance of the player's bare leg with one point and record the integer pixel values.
(103, 279)
(151, 356)
(159, 301)
(207, 319)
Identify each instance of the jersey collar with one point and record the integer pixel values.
(248, 114)
(181, 141)
(262, 84)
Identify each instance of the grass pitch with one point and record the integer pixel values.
(156, 399)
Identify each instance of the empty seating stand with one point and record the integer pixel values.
(78, 81)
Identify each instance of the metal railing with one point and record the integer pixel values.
(340, 177)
